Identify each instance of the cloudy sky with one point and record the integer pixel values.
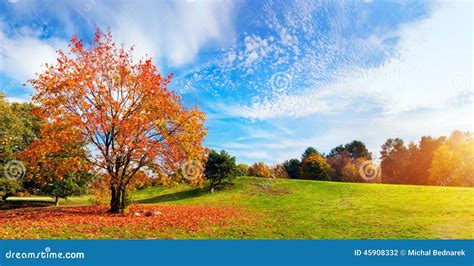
(276, 76)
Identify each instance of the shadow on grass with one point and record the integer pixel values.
(181, 195)
(6, 205)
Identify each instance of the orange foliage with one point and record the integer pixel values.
(120, 107)
(94, 222)
(260, 169)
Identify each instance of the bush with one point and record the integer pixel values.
(242, 169)
(9, 187)
(315, 167)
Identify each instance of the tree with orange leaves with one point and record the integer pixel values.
(121, 110)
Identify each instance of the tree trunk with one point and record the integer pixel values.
(56, 201)
(117, 200)
(6, 196)
(114, 200)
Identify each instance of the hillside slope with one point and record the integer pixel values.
(300, 209)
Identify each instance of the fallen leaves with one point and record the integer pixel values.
(94, 221)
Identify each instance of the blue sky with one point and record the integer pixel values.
(276, 76)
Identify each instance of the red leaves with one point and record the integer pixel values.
(95, 222)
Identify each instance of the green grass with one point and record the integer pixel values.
(299, 209)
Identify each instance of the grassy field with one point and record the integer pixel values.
(299, 209)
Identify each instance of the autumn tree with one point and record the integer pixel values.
(278, 171)
(340, 163)
(260, 169)
(121, 110)
(315, 167)
(453, 162)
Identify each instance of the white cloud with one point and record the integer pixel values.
(174, 32)
(433, 70)
(171, 31)
(24, 54)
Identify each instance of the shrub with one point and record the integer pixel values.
(242, 169)
(9, 187)
(315, 167)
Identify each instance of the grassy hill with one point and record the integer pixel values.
(278, 209)
(300, 209)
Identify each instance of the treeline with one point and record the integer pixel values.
(442, 161)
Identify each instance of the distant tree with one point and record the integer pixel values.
(394, 159)
(242, 169)
(337, 151)
(358, 150)
(292, 168)
(279, 171)
(350, 172)
(74, 184)
(419, 158)
(8, 187)
(453, 163)
(260, 169)
(31, 124)
(11, 128)
(220, 167)
(338, 161)
(315, 167)
(309, 152)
